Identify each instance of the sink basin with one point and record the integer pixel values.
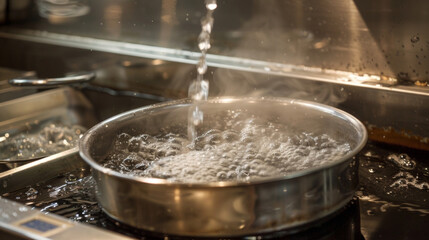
(54, 118)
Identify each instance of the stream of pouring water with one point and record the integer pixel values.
(199, 88)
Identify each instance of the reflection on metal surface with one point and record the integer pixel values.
(398, 137)
(18, 221)
(225, 208)
(112, 19)
(30, 124)
(168, 21)
(302, 72)
(41, 169)
(62, 11)
(401, 32)
(364, 37)
(2, 11)
(70, 79)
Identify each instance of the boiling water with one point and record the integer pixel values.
(199, 88)
(243, 148)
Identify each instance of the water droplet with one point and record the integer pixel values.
(370, 212)
(71, 178)
(31, 193)
(415, 39)
(23, 209)
(211, 4)
(198, 90)
(402, 160)
(201, 65)
(204, 41)
(207, 24)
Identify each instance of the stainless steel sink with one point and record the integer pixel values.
(66, 105)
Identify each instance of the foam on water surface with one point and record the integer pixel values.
(241, 149)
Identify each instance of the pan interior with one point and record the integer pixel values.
(239, 140)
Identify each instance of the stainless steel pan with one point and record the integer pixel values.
(226, 208)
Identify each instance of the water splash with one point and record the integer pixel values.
(385, 205)
(393, 180)
(402, 160)
(406, 179)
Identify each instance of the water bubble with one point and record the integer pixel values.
(221, 154)
(221, 175)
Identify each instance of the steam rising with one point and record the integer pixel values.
(238, 83)
(294, 34)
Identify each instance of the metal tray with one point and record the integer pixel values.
(64, 106)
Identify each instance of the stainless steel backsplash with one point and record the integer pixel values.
(383, 37)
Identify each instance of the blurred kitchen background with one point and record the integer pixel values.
(370, 58)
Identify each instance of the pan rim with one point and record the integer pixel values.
(359, 127)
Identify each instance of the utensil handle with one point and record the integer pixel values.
(80, 78)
